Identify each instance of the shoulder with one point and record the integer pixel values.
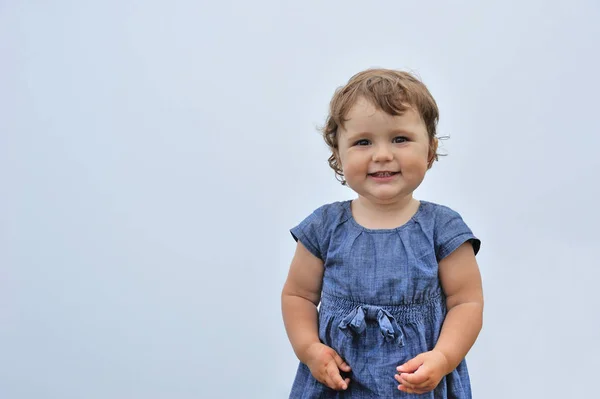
(315, 231)
(438, 213)
(328, 217)
(448, 228)
(332, 212)
(328, 214)
(436, 217)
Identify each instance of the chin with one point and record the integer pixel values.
(386, 197)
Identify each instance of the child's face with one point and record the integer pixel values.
(373, 141)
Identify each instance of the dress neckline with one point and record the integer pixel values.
(413, 219)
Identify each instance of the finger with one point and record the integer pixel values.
(420, 388)
(412, 365)
(416, 378)
(402, 381)
(334, 377)
(328, 382)
(413, 386)
(344, 386)
(406, 385)
(414, 391)
(341, 363)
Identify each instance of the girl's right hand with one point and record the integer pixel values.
(325, 365)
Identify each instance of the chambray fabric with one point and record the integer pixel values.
(381, 302)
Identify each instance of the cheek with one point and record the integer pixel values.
(353, 163)
(415, 159)
(415, 165)
(351, 169)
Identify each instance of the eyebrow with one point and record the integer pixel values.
(356, 136)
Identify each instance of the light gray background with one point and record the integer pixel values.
(153, 156)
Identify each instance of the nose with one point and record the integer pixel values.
(382, 154)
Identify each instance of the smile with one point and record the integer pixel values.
(383, 174)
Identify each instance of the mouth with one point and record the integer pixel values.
(383, 174)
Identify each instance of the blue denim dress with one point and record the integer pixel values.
(381, 301)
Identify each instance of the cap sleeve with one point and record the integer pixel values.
(310, 233)
(451, 232)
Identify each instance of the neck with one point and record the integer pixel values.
(396, 206)
(384, 215)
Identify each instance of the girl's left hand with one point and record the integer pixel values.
(422, 373)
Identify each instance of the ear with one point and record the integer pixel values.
(432, 152)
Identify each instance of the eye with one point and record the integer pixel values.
(399, 140)
(362, 142)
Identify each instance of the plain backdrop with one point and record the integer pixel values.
(154, 154)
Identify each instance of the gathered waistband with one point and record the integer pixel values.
(403, 313)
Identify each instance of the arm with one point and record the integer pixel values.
(299, 299)
(461, 282)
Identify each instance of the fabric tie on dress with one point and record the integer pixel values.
(356, 321)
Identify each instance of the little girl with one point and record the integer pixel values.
(399, 288)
